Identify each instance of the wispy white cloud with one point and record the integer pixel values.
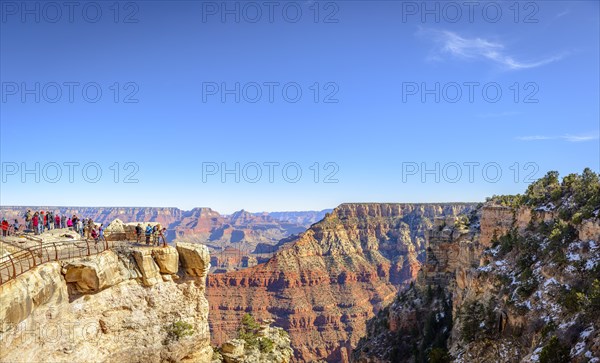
(567, 137)
(483, 49)
(535, 138)
(579, 138)
(562, 13)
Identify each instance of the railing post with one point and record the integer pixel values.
(33, 256)
(88, 246)
(13, 266)
(55, 251)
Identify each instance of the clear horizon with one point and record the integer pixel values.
(225, 212)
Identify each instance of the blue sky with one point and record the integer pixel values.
(373, 127)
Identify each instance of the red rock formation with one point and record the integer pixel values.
(325, 284)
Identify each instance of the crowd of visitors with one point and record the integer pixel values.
(37, 222)
(40, 221)
(154, 235)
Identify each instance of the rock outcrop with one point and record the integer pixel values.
(123, 306)
(195, 259)
(95, 274)
(323, 285)
(265, 344)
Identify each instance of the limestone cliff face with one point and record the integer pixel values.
(122, 306)
(323, 285)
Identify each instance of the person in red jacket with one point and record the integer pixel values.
(4, 227)
(35, 222)
(57, 221)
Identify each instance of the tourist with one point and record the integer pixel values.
(63, 222)
(148, 233)
(155, 234)
(28, 216)
(4, 227)
(162, 234)
(101, 233)
(42, 221)
(74, 220)
(90, 227)
(49, 220)
(94, 235)
(16, 227)
(80, 227)
(70, 224)
(34, 223)
(138, 232)
(57, 221)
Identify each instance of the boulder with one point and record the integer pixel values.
(93, 275)
(167, 259)
(234, 347)
(148, 268)
(195, 259)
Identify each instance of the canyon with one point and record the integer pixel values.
(323, 285)
(514, 279)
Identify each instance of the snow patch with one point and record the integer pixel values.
(577, 349)
(587, 332)
(535, 357)
(546, 208)
(552, 281)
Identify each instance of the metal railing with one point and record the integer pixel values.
(15, 264)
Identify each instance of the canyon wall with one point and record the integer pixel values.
(516, 284)
(324, 284)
